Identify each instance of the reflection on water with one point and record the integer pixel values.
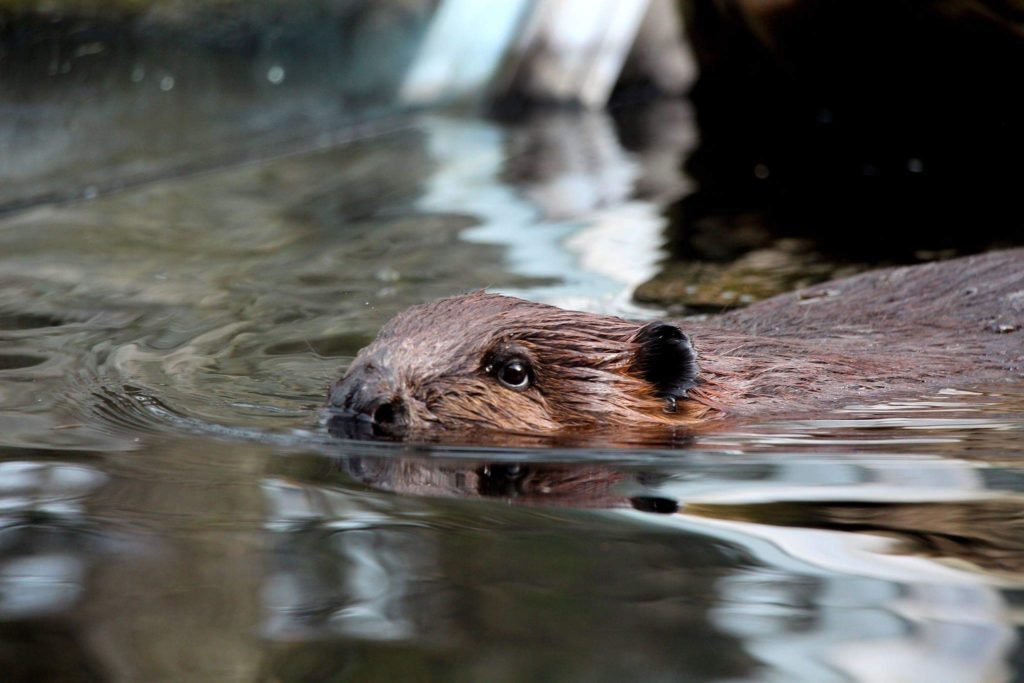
(170, 508)
(591, 210)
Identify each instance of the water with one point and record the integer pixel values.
(172, 509)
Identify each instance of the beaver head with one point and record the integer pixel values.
(489, 361)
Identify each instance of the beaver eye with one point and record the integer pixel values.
(514, 375)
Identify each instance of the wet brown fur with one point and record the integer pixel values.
(895, 330)
(889, 331)
(433, 358)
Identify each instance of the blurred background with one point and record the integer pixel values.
(796, 139)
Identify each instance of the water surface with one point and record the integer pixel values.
(171, 507)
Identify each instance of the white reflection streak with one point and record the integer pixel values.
(961, 628)
(868, 480)
(39, 584)
(573, 220)
(45, 582)
(379, 587)
(379, 575)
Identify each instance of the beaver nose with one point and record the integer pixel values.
(370, 401)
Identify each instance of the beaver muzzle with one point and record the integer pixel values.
(363, 404)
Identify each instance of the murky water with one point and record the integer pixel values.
(172, 509)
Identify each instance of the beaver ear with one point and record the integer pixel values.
(664, 357)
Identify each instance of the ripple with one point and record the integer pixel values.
(333, 345)
(132, 410)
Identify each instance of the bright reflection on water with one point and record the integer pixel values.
(171, 509)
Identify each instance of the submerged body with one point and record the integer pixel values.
(490, 361)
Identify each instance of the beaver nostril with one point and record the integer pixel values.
(388, 413)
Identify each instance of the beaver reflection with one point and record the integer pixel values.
(568, 485)
(988, 533)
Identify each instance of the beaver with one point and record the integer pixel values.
(483, 361)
